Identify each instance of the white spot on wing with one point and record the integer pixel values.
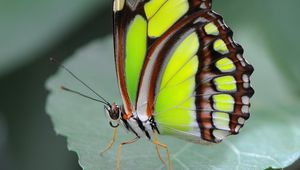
(237, 128)
(241, 120)
(240, 58)
(246, 100)
(220, 134)
(245, 78)
(245, 109)
(118, 5)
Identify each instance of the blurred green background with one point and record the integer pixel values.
(32, 31)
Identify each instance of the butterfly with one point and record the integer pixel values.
(179, 71)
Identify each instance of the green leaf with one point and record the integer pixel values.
(29, 28)
(270, 138)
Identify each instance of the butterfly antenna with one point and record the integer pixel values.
(53, 60)
(81, 94)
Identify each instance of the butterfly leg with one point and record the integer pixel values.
(157, 148)
(159, 155)
(111, 142)
(120, 150)
(158, 144)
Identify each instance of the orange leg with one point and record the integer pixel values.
(168, 153)
(120, 150)
(111, 142)
(159, 155)
(157, 149)
(158, 144)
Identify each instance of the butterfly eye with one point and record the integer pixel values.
(113, 113)
(114, 116)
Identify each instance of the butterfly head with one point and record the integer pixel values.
(114, 114)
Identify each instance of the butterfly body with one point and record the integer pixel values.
(133, 124)
(140, 128)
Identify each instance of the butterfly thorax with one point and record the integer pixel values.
(138, 127)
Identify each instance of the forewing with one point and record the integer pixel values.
(138, 24)
(130, 42)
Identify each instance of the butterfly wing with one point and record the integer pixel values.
(176, 61)
(203, 91)
(130, 42)
(195, 81)
(137, 25)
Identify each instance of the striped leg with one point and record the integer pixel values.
(111, 142)
(120, 150)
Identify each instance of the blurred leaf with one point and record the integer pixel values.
(3, 132)
(269, 139)
(29, 27)
(4, 157)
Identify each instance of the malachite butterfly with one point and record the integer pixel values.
(179, 71)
